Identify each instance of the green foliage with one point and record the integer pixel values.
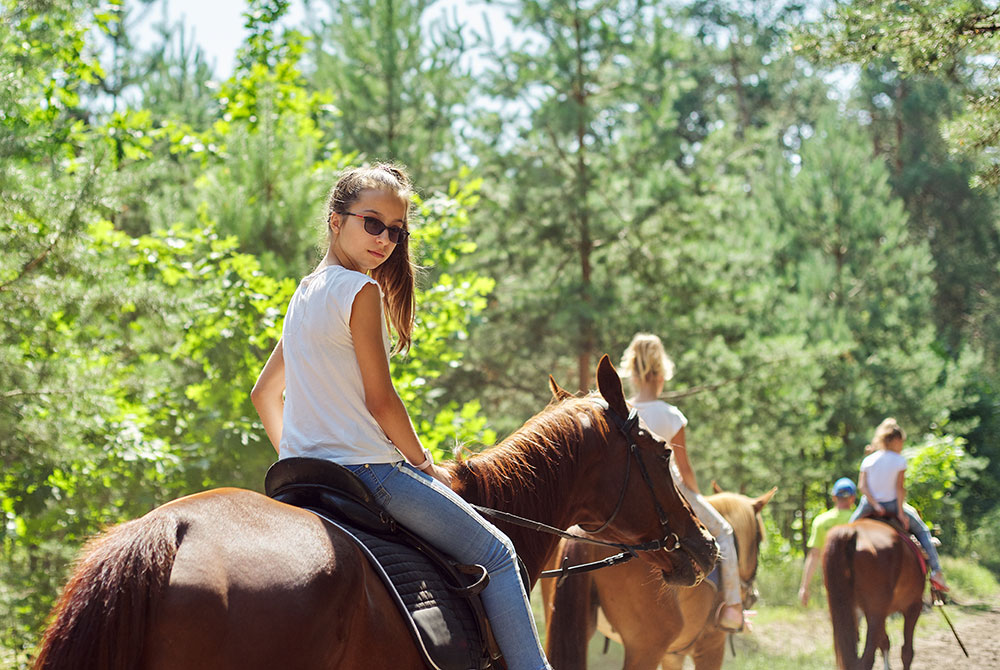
(936, 471)
(955, 38)
(984, 541)
(399, 80)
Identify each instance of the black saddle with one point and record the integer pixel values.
(437, 597)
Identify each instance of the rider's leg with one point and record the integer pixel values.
(731, 616)
(864, 508)
(923, 535)
(440, 516)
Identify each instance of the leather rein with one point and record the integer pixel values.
(669, 542)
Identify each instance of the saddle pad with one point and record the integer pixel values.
(911, 540)
(714, 578)
(441, 621)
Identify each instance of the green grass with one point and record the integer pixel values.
(971, 584)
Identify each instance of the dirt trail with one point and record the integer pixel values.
(936, 647)
(934, 644)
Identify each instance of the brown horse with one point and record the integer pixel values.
(867, 564)
(231, 579)
(630, 603)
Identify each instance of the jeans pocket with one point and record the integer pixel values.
(372, 478)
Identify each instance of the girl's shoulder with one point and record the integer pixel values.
(661, 408)
(883, 455)
(337, 279)
(332, 286)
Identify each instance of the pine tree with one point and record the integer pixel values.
(399, 82)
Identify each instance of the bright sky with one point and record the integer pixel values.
(217, 25)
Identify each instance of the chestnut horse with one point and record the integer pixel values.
(631, 604)
(868, 565)
(229, 578)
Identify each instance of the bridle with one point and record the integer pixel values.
(668, 542)
(626, 427)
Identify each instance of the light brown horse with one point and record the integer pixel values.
(632, 605)
(231, 579)
(867, 564)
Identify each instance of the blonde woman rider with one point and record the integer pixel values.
(649, 368)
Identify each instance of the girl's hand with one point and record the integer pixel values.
(878, 509)
(904, 520)
(440, 474)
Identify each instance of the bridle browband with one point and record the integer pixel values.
(669, 542)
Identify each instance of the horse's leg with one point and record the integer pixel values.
(572, 615)
(884, 648)
(672, 662)
(710, 651)
(910, 617)
(642, 611)
(641, 657)
(873, 638)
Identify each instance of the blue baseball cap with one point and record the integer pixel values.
(844, 487)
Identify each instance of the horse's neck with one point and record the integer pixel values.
(530, 486)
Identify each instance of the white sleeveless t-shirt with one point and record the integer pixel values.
(665, 421)
(325, 414)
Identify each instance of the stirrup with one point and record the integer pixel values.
(729, 629)
(937, 584)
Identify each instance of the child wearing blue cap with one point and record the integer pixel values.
(843, 495)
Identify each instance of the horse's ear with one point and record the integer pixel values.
(558, 392)
(610, 386)
(716, 487)
(759, 503)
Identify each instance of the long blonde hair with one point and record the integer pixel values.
(397, 275)
(645, 358)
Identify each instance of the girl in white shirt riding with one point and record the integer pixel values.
(325, 392)
(883, 472)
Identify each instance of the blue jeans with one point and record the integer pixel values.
(437, 514)
(917, 526)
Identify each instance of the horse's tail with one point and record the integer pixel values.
(838, 576)
(572, 615)
(101, 617)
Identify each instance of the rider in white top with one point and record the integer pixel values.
(649, 367)
(881, 483)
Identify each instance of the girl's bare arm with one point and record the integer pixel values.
(268, 397)
(381, 397)
(679, 442)
(901, 499)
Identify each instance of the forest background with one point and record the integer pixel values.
(800, 198)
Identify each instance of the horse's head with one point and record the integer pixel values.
(743, 514)
(631, 496)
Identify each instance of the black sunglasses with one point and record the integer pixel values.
(375, 227)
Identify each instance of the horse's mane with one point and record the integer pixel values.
(536, 450)
(747, 526)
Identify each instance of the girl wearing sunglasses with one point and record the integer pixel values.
(326, 392)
